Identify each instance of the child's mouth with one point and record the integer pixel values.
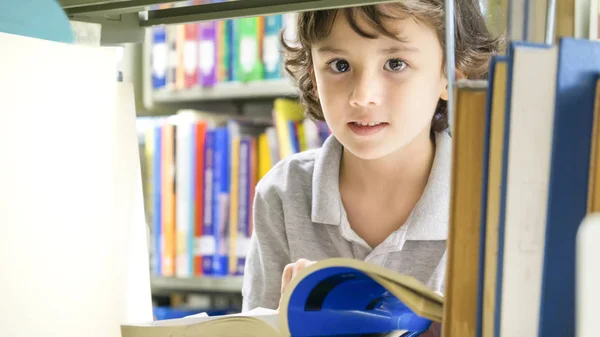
(367, 128)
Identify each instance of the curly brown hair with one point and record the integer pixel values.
(474, 43)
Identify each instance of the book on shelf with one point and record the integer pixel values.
(200, 173)
(204, 54)
(539, 167)
(338, 296)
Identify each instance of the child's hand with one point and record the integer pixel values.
(291, 270)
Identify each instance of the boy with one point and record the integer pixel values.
(378, 189)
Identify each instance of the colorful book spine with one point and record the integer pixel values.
(244, 181)
(207, 243)
(157, 202)
(184, 221)
(159, 57)
(253, 181)
(234, 196)
(168, 200)
(198, 171)
(171, 75)
(233, 39)
(221, 200)
(190, 55)
(271, 53)
(207, 72)
(249, 57)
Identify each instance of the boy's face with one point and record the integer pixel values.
(392, 86)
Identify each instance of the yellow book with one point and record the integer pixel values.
(264, 155)
(286, 110)
(301, 136)
(353, 280)
(594, 181)
(233, 204)
(460, 310)
(496, 150)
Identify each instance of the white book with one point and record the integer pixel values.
(528, 174)
(74, 247)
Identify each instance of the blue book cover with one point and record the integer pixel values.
(220, 201)
(233, 41)
(271, 55)
(244, 202)
(294, 137)
(578, 69)
(341, 297)
(156, 198)
(159, 57)
(207, 245)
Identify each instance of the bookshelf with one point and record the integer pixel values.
(98, 9)
(206, 284)
(540, 14)
(228, 91)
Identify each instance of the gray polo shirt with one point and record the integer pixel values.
(298, 213)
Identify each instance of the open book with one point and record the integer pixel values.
(337, 296)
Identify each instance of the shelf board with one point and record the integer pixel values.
(228, 91)
(205, 12)
(226, 284)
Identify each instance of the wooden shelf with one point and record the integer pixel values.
(228, 91)
(226, 284)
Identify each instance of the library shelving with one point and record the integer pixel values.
(205, 284)
(228, 91)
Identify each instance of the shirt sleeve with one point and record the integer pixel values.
(268, 253)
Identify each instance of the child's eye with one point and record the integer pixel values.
(339, 66)
(395, 65)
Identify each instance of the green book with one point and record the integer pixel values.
(249, 65)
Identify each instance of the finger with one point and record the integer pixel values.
(287, 275)
(299, 265)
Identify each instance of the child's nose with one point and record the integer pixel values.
(366, 91)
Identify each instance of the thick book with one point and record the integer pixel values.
(337, 296)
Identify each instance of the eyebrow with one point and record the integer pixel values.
(391, 50)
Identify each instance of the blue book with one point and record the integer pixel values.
(271, 54)
(220, 201)
(159, 57)
(156, 199)
(577, 73)
(233, 40)
(333, 297)
(244, 201)
(207, 245)
(539, 254)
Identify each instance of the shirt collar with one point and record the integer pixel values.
(428, 220)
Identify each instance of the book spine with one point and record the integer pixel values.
(159, 57)
(190, 54)
(207, 54)
(207, 243)
(183, 175)
(220, 201)
(198, 174)
(243, 198)
(271, 54)
(157, 204)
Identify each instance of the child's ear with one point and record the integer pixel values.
(458, 75)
